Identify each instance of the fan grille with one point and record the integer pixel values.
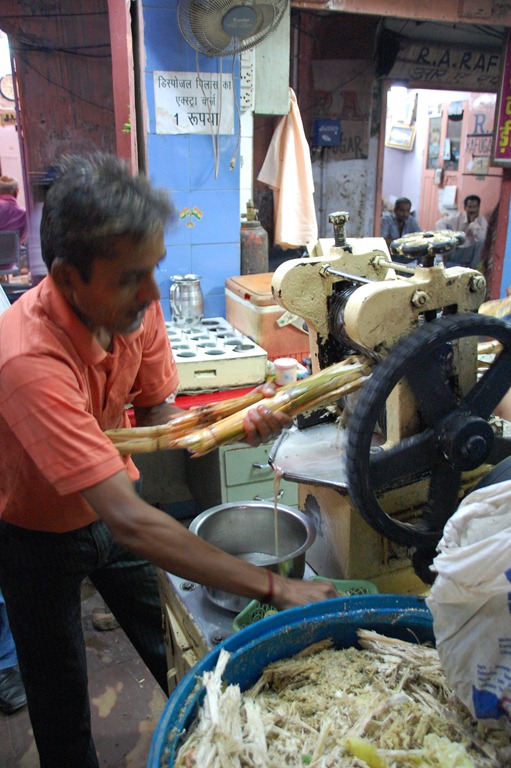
(227, 27)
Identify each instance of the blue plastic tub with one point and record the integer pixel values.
(283, 635)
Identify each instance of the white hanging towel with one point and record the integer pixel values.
(287, 169)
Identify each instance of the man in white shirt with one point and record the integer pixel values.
(468, 221)
(473, 225)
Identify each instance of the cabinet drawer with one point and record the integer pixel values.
(264, 490)
(247, 465)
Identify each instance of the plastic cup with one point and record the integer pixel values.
(286, 369)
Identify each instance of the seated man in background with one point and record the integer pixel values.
(400, 222)
(12, 214)
(475, 228)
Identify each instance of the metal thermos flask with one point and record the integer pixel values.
(186, 301)
(253, 243)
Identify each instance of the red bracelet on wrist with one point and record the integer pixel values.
(268, 597)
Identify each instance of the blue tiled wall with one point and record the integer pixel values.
(184, 164)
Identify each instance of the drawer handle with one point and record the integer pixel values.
(255, 465)
(279, 496)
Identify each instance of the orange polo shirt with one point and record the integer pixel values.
(59, 391)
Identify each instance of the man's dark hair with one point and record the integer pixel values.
(401, 201)
(93, 201)
(469, 199)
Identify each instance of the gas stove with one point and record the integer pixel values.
(214, 355)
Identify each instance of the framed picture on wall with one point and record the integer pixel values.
(401, 137)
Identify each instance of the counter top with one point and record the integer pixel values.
(189, 401)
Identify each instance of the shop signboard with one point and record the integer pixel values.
(345, 90)
(456, 67)
(502, 140)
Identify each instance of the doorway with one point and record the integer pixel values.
(10, 151)
(449, 157)
(13, 163)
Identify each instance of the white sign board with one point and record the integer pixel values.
(193, 102)
(447, 198)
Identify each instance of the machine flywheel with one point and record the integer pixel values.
(452, 433)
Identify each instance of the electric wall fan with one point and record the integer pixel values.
(228, 27)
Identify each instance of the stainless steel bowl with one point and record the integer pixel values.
(247, 531)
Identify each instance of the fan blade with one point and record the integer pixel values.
(201, 24)
(227, 27)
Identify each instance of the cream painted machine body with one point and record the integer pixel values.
(355, 298)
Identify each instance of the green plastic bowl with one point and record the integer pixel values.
(255, 611)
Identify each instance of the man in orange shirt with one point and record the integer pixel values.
(74, 350)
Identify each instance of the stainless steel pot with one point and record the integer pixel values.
(247, 531)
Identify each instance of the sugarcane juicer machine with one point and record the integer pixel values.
(382, 471)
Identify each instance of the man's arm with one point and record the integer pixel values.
(477, 229)
(169, 545)
(444, 223)
(157, 414)
(386, 222)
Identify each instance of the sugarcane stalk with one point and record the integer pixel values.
(319, 389)
(197, 416)
(489, 347)
(205, 427)
(231, 430)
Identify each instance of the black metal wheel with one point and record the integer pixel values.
(454, 434)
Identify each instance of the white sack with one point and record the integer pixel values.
(471, 602)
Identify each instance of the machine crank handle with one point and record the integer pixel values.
(426, 245)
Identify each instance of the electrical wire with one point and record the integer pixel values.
(215, 136)
(29, 65)
(70, 51)
(28, 42)
(238, 114)
(33, 16)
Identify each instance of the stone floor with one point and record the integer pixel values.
(126, 702)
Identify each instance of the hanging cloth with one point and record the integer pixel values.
(287, 169)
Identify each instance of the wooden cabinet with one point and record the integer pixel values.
(236, 473)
